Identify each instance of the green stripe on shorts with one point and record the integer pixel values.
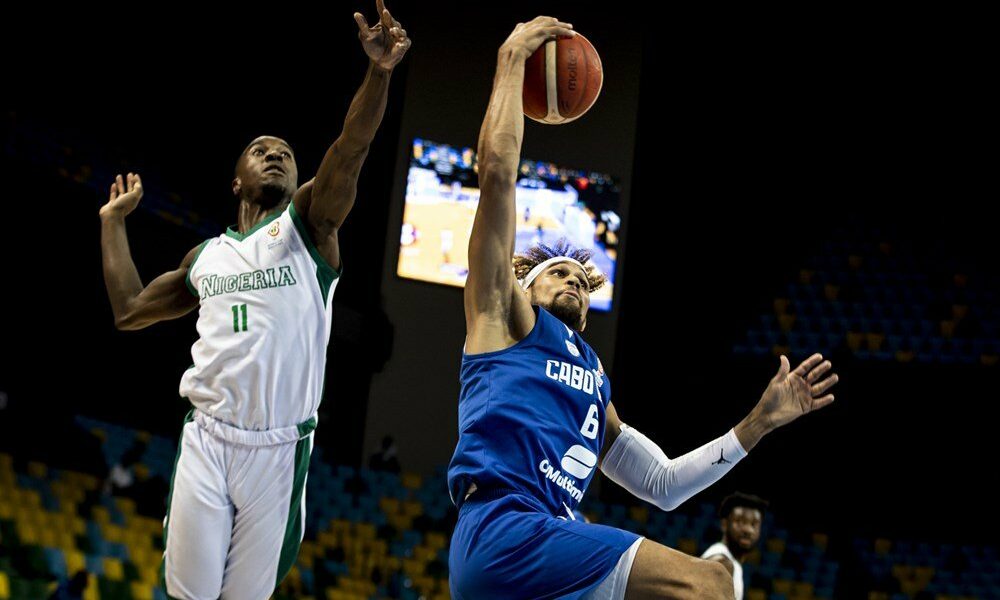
(293, 528)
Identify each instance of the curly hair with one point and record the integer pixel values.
(534, 256)
(739, 499)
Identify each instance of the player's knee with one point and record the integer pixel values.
(718, 582)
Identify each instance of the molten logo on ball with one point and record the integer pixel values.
(562, 80)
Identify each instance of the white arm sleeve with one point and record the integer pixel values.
(638, 465)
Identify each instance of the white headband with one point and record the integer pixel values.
(532, 274)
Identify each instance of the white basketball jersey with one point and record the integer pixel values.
(263, 325)
(721, 548)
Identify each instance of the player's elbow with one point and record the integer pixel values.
(666, 501)
(128, 321)
(496, 180)
(498, 162)
(666, 504)
(125, 324)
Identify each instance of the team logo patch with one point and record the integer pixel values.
(273, 229)
(579, 462)
(572, 348)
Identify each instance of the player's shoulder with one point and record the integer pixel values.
(191, 258)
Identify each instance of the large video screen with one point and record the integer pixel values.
(553, 202)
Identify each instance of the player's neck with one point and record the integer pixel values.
(251, 213)
(737, 552)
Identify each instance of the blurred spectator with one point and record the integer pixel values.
(121, 477)
(385, 459)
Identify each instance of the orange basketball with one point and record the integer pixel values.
(562, 79)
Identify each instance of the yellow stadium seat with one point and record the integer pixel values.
(112, 533)
(776, 545)
(854, 340)
(882, 546)
(802, 589)
(66, 541)
(141, 591)
(91, 593)
(101, 515)
(28, 533)
(878, 596)
(113, 569)
(902, 572)
(4, 586)
(413, 509)
(412, 481)
(687, 546)
(401, 522)
(37, 470)
(153, 526)
(75, 561)
(782, 586)
(424, 584)
(911, 586)
(88, 482)
(67, 506)
(389, 506)
(31, 498)
(307, 548)
(639, 513)
(339, 525)
(413, 568)
(756, 594)
(49, 537)
(821, 540)
(435, 540)
(875, 341)
(141, 471)
(6, 510)
(126, 505)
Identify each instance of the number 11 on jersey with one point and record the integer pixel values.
(237, 310)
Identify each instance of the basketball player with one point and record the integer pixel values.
(741, 516)
(235, 515)
(535, 410)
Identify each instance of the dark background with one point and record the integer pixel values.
(751, 146)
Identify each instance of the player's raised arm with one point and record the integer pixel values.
(326, 200)
(495, 307)
(636, 463)
(136, 306)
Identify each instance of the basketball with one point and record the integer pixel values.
(562, 79)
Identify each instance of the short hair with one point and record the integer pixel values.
(539, 253)
(741, 500)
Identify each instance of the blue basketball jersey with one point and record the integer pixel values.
(531, 418)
